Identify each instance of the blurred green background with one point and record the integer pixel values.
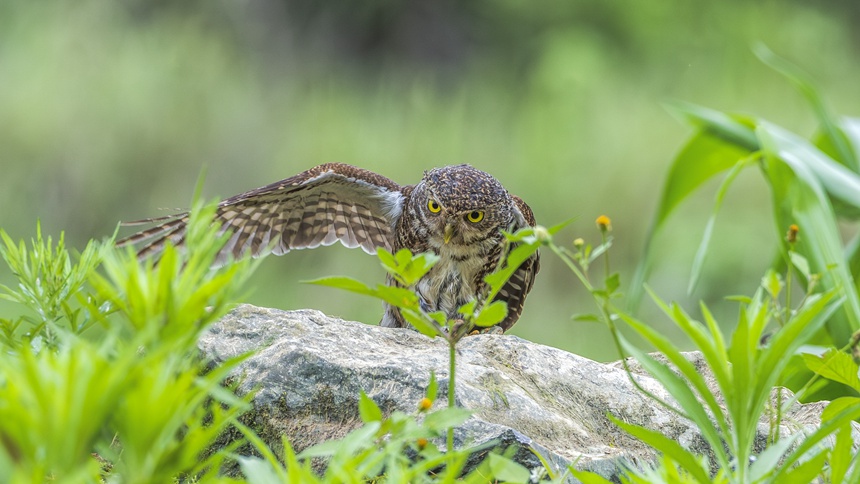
(111, 110)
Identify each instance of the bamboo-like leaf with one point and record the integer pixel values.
(686, 459)
(768, 460)
(841, 454)
(800, 198)
(702, 251)
(703, 157)
(806, 86)
(678, 387)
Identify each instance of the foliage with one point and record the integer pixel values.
(103, 381)
(814, 184)
(395, 448)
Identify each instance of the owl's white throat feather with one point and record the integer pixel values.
(451, 282)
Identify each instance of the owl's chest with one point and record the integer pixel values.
(454, 280)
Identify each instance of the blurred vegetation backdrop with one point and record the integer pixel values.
(111, 110)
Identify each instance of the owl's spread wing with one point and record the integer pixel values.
(518, 286)
(329, 203)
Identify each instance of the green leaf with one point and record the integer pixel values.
(837, 406)
(432, 387)
(732, 129)
(799, 198)
(837, 180)
(587, 477)
(397, 296)
(841, 455)
(469, 308)
(836, 137)
(345, 283)
(808, 470)
(772, 283)
(446, 418)
(686, 459)
(351, 443)
(679, 388)
(506, 470)
(257, 471)
(492, 314)
(593, 318)
(613, 282)
(702, 252)
(703, 157)
(417, 320)
(834, 365)
(386, 258)
(800, 263)
(368, 409)
(768, 460)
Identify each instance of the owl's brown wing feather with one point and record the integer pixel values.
(329, 203)
(514, 291)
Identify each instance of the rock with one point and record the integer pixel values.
(309, 369)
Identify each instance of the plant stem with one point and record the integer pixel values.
(613, 330)
(451, 374)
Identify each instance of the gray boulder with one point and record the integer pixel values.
(309, 369)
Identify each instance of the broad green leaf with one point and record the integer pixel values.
(386, 258)
(417, 320)
(772, 283)
(345, 283)
(468, 309)
(686, 459)
(397, 296)
(835, 365)
(446, 418)
(492, 314)
(506, 470)
(368, 409)
(613, 282)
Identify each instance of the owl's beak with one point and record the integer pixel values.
(449, 231)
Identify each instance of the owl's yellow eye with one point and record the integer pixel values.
(475, 216)
(434, 206)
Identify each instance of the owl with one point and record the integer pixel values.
(456, 212)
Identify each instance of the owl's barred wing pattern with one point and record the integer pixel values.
(329, 203)
(514, 291)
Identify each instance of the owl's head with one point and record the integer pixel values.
(463, 205)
